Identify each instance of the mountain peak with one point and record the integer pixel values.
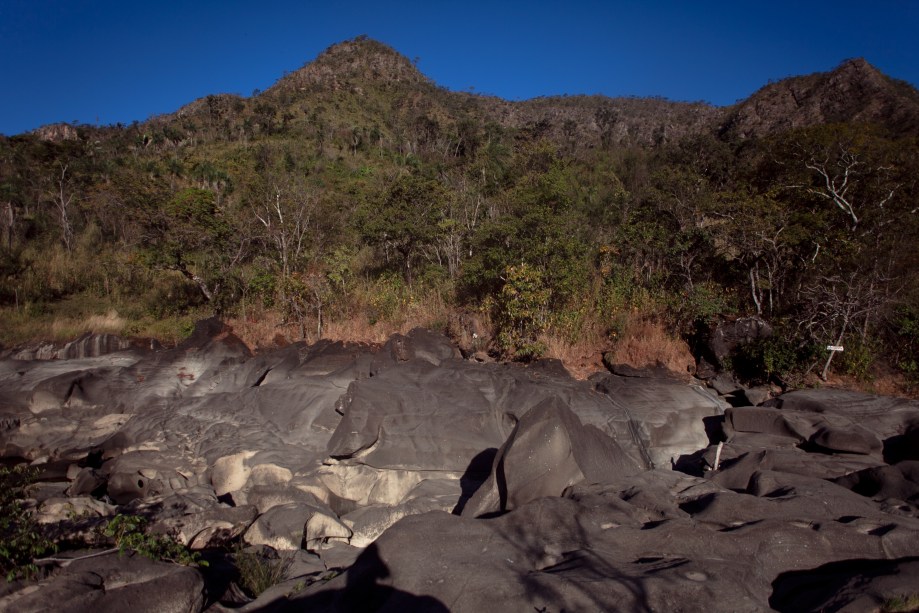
(858, 64)
(857, 71)
(855, 91)
(353, 63)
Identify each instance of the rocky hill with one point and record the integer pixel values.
(367, 72)
(855, 91)
(620, 208)
(351, 64)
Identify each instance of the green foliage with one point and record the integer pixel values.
(170, 295)
(258, 571)
(520, 312)
(21, 539)
(904, 603)
(906, 341)
(189, 222)
(541, 228)
(130, 533)
(388, 294)
(406, 219)
(857, 359)
(339, 264)
(776, 356)
(263, 285)
(698, 306)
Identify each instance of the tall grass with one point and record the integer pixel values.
(68, 319)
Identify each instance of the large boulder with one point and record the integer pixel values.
(730, 334)
(440, 418)
(654, 540)
(669, 418)
(885, 417)
(548, 451)
(294, 526)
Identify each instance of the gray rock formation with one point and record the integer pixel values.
(548, 451)
(113, 584)
(456, 485)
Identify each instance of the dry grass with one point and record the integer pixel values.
(66, 328)
(886, 383)
(641, 343)
(581, 359)
(265, 328)
(646, 343)
(19, 326)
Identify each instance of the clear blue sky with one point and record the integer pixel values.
(117, 61)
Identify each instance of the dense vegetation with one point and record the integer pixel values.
(356, 193)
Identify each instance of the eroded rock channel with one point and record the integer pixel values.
(407, 478)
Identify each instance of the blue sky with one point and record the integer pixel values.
(102, 61)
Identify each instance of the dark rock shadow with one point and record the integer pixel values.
(692, 464)
(218, 575)
(364, 592)
(823, 588)
(902, 446)
(714, 428)
(476, 473)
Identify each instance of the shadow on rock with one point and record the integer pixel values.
(476, 474)
(903, 446)
(365, 590)
(857, 585)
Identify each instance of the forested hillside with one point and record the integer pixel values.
(355, 197)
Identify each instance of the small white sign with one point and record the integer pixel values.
(834, 348)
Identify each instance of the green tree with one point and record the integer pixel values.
(540, 227)
(190, 235)
(405, 220)
(521, 312)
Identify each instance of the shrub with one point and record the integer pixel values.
(771, 357)
(857, 359)
(520, 312)
(906, 603)
(169, 295)
(263, 285)
(258, 571)
(21, 540)
(388, 295)
(697, 306)
(906, 340)
(130, 533)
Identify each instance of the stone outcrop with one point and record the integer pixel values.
(113, 583)
(427, 480)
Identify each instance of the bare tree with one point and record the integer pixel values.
(837, 304)
(839, 171)
(320, 294)
(462, 214)
(286, 214)
(63, 199)
(8, 222)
